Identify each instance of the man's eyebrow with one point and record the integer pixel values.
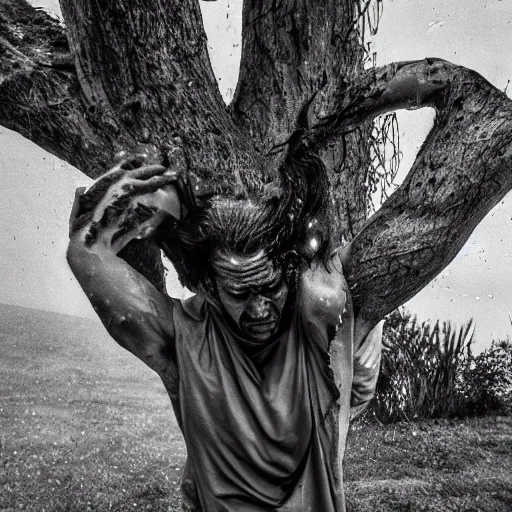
(271, 282)
(232, 265)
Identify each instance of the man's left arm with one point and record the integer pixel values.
(366, 349)
(367, 355)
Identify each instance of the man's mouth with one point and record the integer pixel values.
(265, 326)
(262, 326)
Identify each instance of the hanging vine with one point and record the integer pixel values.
(385, 157)
(385, 154)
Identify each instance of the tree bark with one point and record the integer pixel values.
(292, 50)
(144, 70)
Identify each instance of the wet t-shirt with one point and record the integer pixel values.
(256, 426)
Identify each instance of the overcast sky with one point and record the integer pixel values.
(37, 191)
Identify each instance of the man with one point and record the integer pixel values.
(245, 361)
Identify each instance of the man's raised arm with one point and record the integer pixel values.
(121, 206)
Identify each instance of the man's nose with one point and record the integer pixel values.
(259, 306)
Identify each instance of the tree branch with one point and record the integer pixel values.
(292, 50)
(460, 173)
(38, 88)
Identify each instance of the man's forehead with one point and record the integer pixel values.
(244, 270)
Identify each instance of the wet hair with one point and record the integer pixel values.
(277, 221)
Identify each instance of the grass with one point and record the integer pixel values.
(85, 426)
(437, 465)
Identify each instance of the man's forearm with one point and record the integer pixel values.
(99, 272)
(134, 313)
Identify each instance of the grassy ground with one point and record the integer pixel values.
(85, 426)
(431, 466)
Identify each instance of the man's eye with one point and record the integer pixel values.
(270, 290)
(275, 287)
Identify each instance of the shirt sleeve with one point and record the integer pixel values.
(366, 370)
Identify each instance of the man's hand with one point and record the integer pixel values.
(129, 201)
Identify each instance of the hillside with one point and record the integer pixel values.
(80, 418)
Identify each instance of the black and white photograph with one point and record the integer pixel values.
(256, 256)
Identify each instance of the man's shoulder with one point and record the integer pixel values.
(328, 269)
(322, 286)
(192, 309)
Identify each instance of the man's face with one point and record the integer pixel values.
(253, 291)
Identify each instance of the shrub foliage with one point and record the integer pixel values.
(487, 383)
(429, 371)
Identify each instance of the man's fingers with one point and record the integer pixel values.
(104, 181)
(148, 171)
(132, 162)
(139, 187)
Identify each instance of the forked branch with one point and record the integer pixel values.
(463, 169)
(143, 67)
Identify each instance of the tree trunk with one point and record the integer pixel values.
(140, 73)
(291, 51)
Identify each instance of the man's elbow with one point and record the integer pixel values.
(76, 255)
(84, 262)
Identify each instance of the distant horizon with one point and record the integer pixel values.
(41, 310)
(94, 319)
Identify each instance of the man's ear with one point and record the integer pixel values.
(210, 285)
(291, 267)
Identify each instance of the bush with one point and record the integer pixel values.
(487, 383)
(430, 372)
(422, 369)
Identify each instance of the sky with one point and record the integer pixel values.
(38, 188)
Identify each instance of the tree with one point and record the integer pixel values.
(135, 71)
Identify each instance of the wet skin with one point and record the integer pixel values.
(252, 291)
